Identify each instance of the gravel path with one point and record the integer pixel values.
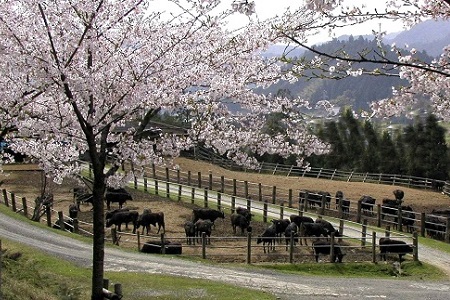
(284, 286)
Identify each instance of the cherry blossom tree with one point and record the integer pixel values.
(88, 76)
(426, 79)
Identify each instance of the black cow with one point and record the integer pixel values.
(389, 207)
(300, 219)
(408, 218)
(238, 220)
(189, 230)
(311, 229)
(435, 226)
(399, 194)
(315, 198)
(344, 203)
(245, 212)
(123, 217)
(73, 211)
(324, 247)
(268, 237)
(367, 204)
(388, 245)
(291, 231)
(119, 195)
(110, 213)
(207, 214)
(149, 218)
(204, 226)
(280, 226)
(328, 227)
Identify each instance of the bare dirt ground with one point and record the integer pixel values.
(24, 183)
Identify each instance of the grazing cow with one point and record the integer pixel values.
(435, 226)
(388, 245)
(300, 219)
(291, 230)
(189, 229)
(207, 214)
(367, 204)
(238, 220)
(149, 218)
(80, 191)
(245, 212)
(311, 229)
(73, 211)
(314, 198)
(408, 218)
(117, 195)
(328, 227)
(123, 217)
(280, 225)
(204, 226)
(268, 237)
(390, 207)
(82, 195)
(324, 247)
(342, 202)
(110, 213)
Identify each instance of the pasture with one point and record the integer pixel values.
(27, 184)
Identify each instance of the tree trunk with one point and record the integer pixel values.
(99, 237)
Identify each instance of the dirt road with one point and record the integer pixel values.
(284, 286)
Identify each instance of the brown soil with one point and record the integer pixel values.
(22, 182)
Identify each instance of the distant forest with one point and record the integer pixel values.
(418, 149)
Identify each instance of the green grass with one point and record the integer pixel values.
(36, 275)
(409, 270)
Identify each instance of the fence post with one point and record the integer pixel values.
(76, 227)
(305, 202)
(24, 206)
(192, 195)
(281, 210)
(399, 219)
(245, 189)
(199, 175)
(291, 248)
(260, 196)
(290, 198)
(167, 189)
(179, 192)
(156, 187)
(219, 200)
(374, 247)
(332, 248)
(249, 247)
(13, 202)
(48, 212)
(5, 197)
(114, 237)
(210, 182)
(205, 198)
(222, 184)
(422, 224)
(233, 204)
(189, 180)
(364, 233)
(378, 215)
(447, 231)
(135, 183)
(178, 176)
(416, 246)
(265, 211)
(249, 204)
(154, 171)
(62, 225)
(234, 187)
(203, 245)
(163, 244)
(324, 201)
(358, 213)
(341, 228)
(274, 194)
(145, 184)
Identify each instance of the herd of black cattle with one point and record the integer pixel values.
(295, 229)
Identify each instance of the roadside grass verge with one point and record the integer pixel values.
(409, 270)
(28, 273)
